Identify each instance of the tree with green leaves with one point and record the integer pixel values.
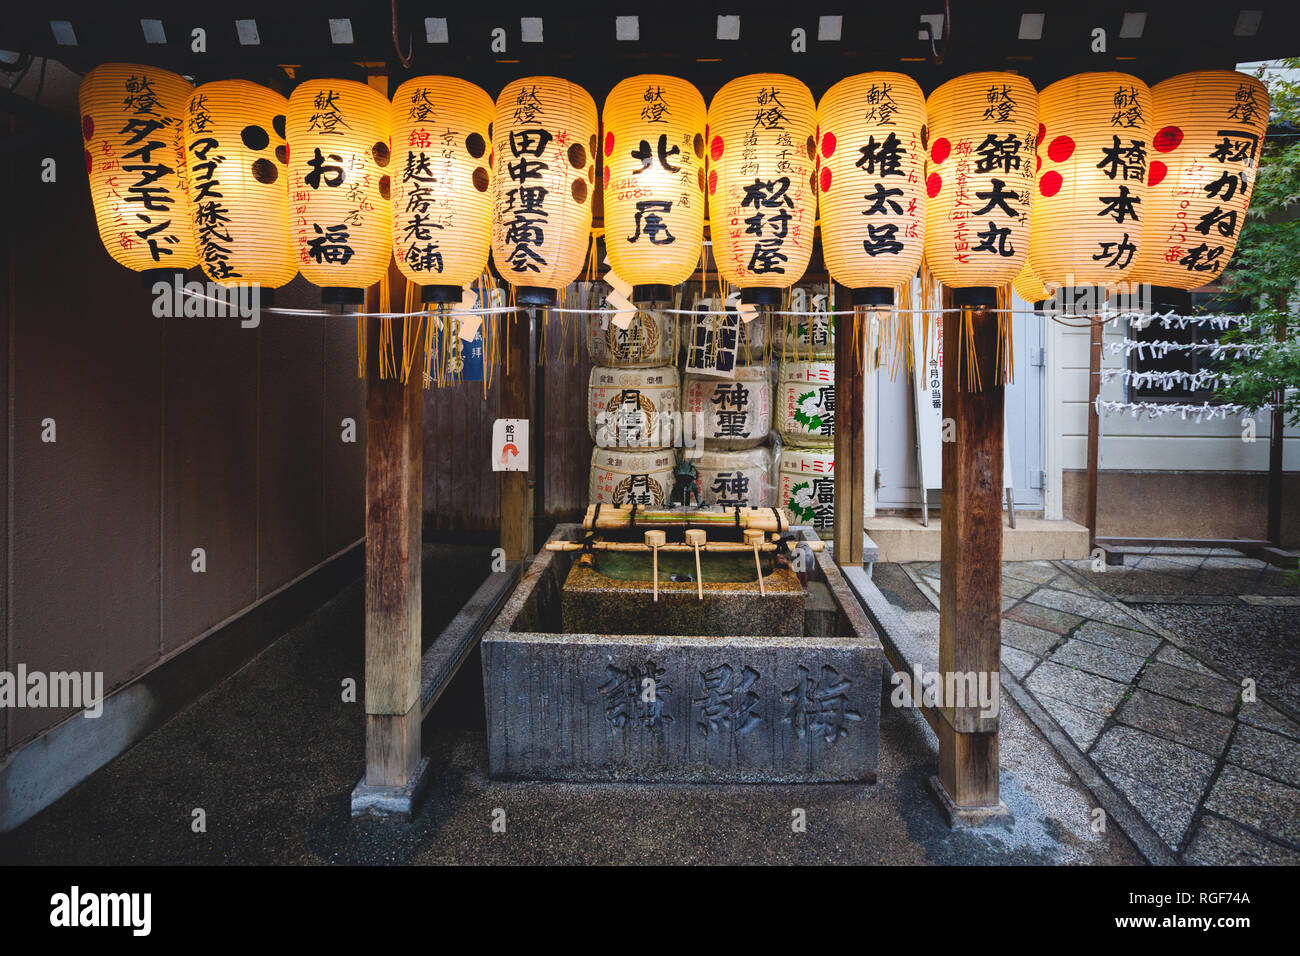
(1264, 274)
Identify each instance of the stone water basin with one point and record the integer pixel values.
(586, 678)
(613, 589)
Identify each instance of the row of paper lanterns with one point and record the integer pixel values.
(1119, 181)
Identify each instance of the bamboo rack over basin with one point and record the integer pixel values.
(718, 547)
(613, 517)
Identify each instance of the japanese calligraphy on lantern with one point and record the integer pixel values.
(762, 143)
(339, 182)
(544, 140)
(441, 206)
(654, 179)
(872, 191)
(236, 154)
(1209, 127)
(1095, 137)
(982, 131)
(132, 128)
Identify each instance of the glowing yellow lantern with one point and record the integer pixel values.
(339, 186)
(1089, 205)
(1028, 286)
(762, 195)
(442, 207)
(1209, 128)
(132, 127)
(544, 138)
(236, 157)
(982, 142)
(654, 182)
(871, 187)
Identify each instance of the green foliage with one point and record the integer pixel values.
(1265, 269)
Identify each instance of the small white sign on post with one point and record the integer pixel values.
(510, 444)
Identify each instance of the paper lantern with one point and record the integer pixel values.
(544, 138)
(1209, 128)
(1028, 286)
(654, 182)
(131, 125)
(339, 213)
(236, 158)
(442, 207)
(982, 139)
(1089, 204)
(871, 187)
(762, 198)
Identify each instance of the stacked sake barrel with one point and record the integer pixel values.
(805, 420)
(733, 407)
(632, 411)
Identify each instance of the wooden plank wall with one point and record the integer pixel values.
(460, 490)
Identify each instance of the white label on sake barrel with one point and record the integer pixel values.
(633, 407)
(736, 413)
(621, 477)
(806, 486)
(806, 403)
(644, 340)
(731, 479)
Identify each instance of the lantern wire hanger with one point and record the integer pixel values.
(403, 58)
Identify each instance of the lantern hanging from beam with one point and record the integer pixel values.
(132, 127)
(442, 206)
(544, 140)
(982, 140)
(871, 187)
(1209, 129)
(339, 186)
(1089, 205)
(236, 158)
(1028, 286)
(654, 182)
(762, 194)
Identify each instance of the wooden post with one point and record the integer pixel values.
(970, 600)
(516, 495)
(1275, 437)
(850, 440)
(1094, 429)
(394, 466)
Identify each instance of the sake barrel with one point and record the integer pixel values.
(633, 407)
(806, 485)
(730, 479)
(735, 412)
(805, 337)
(646, 342)
(805, 403)
(621, 476)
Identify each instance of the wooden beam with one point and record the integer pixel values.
(970, 600)
(516, 492)
(850, 442)
(394, 474)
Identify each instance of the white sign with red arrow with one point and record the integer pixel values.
(510, 444)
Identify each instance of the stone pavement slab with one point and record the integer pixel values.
(1195, 727)
(1095, 659)
(1026, 637)
(1046, 618)
(1269, 754)
(1087, 691)
(1258, 802)
(1120, 638)
(1190, 687)
(1220, 842)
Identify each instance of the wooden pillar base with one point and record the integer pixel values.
(963, 818)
